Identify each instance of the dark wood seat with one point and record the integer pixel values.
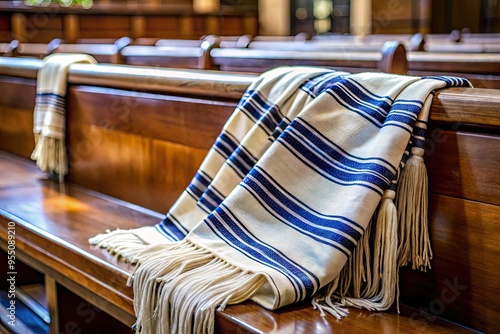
(132, 150)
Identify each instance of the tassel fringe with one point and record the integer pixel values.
(367, 281)
(127, 244)
(414, 242)
(50, 156)
(178, 286)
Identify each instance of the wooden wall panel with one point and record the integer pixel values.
(464, 165)
(43, 27)
(464, 280)
(162, 26)
(230, 26)
(5, 28)
(17, 102)
(104, 26)
(137, 148)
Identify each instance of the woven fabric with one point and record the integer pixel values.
(49, 114)
(284, 197)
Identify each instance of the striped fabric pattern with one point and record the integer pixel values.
(49, 114)
(320, 172)
(255, 124)
(283, 198)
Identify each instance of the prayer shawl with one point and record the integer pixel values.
(294, 201)
(49, 116)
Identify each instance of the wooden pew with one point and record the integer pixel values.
(37, 50)
(413, 42)
(179, 54)
(391, 59)
(103, 53)
(483, 70)
(8, 49)
(118, 154)
(463, 47)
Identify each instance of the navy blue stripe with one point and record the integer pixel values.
(419, 132)
(253, 248)
(320, 84)
(330, 151)
(51, 94)
(330, 174)
(242, 160)
(266, 114)
(280, 128)
(407, 105)
(418, 143)
(168, 227)
(368, 92)
(225, 145)
(331, 143)
(401, 118)
(328, 169)
(282, 202)
(214, 195)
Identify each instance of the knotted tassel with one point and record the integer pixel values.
(380, 280)
(382, 292)
(412, 206)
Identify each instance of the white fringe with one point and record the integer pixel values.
(368, 282)
(412, 203)
(50, 155)
(177, 287)
(382, 293)
(127, 244)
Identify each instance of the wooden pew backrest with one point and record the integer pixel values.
(392, 59)
(190, 54)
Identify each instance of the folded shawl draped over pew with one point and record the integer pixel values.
(49, 116)
(296, 200)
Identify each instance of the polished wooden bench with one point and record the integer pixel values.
(483, 70)
(413, 42)
(130, 136)
(194, 54)
(103, 53)
(391, 58)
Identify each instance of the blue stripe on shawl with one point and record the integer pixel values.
(334, 152)
(321, 83)
(419, 132)
(329, 169)
(259, 110)
(225, 145)
(242, 161)
(222, 220)
(300, 121)
(450, 81)
(171, 228)
(314, 225)
(199, 184)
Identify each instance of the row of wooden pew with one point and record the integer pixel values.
(135, 139)
(225, 54)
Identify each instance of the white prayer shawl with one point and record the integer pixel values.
(49, 116)
(284, 198)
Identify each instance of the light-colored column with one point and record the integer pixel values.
(205, 6)
(274, 17)
(361, 17)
